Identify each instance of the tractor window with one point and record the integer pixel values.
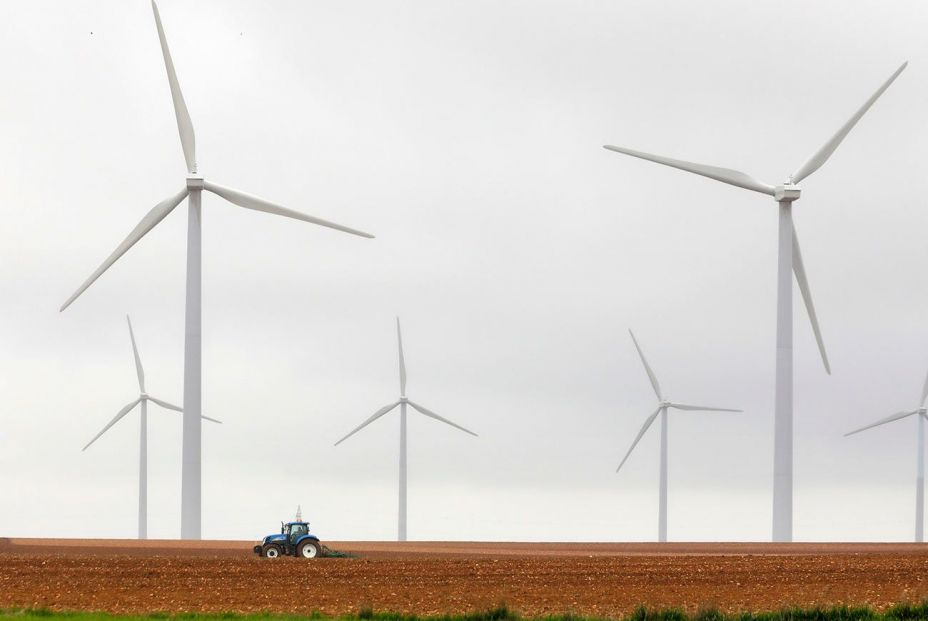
(296, 531)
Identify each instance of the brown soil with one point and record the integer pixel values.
(429, 578)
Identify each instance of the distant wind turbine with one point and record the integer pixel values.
(922, 413)
(195, 183)
(790, 260)
(662, 406)
(143, 400)
(402, 402)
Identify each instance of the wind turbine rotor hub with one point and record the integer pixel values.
(923, 411)
(143, 396)
(404, 400)
(786, 193)
(195, 182)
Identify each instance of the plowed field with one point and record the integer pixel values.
(429, 578)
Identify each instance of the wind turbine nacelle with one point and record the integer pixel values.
(785, 193)
(194, 182)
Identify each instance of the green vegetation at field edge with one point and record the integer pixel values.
(901, 612)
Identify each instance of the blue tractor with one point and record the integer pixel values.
(294, 540)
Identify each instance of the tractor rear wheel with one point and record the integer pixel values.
(271, 551)
(310, 549)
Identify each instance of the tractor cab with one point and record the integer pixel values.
(294, 531)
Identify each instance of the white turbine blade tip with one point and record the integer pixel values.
(155, 215)
(799, 271)
(647, 423)
(166, 405)
(725, 175)
(249, 201)
(140, 372)
(651, 376)
(883, 421)
(825, 152)
(184, 124)
(370, 420)
(399, 340)
(924, 392)
(427, 412)
(125, 410)
(702, 408)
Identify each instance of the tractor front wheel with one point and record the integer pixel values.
(271, 551)
(309, 549)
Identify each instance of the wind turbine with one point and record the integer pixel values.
(662, 406)
(922, 413)
(143, 400)
(789, 260)
(402, 402)
(194, 186)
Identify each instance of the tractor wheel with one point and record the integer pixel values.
(271, 551)
(310, 549)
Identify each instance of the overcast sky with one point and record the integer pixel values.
(517, 252)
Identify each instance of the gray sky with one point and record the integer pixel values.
(467, 136)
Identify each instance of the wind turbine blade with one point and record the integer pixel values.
(800, 271)
(399, 339)
(644, 428)
(647, 367)
(370, 420)
(115, 420)
(166, 405)
(151, 219)
(822, 155)
(184, 124)
(138, 361)
(171, 406)
(259, 204)
(883, 421)
(431, 414)
(725, 175)
(925, 392)
(701, 408)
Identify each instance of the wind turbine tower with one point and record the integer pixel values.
(191, 469)
(789, 262)
(921, 413)
(403, 401)
(662, 407)
(142, 401)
